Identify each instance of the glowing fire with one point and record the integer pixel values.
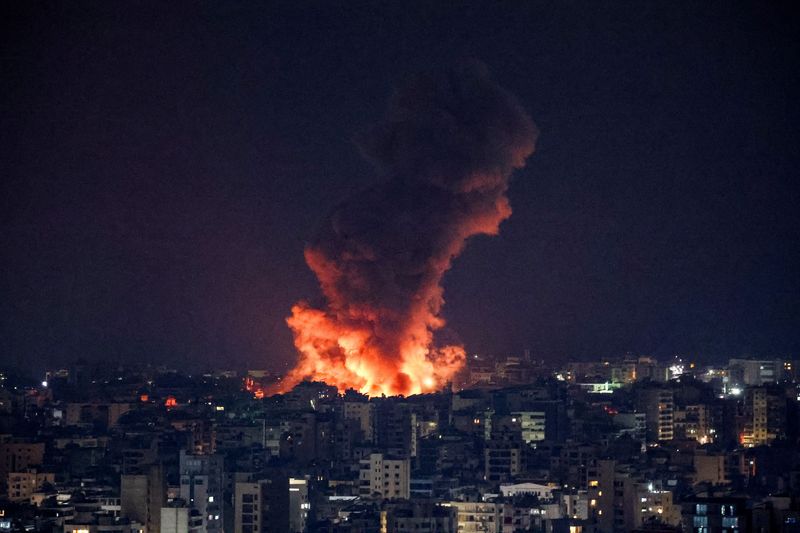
(347, 357)
(447, 150)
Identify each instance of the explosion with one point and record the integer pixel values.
(445, 151)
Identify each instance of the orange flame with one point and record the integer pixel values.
(448, 148)
(376, 350)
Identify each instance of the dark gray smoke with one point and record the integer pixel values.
(446, 151)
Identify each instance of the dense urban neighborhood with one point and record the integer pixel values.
(632, 444)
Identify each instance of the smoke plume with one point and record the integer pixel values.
(445, 152)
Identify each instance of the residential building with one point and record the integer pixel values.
(384, 476)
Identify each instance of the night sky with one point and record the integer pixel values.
(164, 165)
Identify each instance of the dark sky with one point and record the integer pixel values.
(163, 165)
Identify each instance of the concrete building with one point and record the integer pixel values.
(238, 436)
(263, 505)
(18, 456)
(694, 423)
(657, 404)
(764, 415)
(654, 504)
(273, 434)
(179, 518)
(755, 372)
(715, 515)
(299, 504)
(202, 484)
(395, 428)
(86, 414)
(479, 517)
(502, 460)
(633, 425)
(299, 441)
(101, 524)
(710, 468)
(142, 496)
(419, 517)
(22, 485)
(543, 492)
(533, 425)
(361, 410)
(384, 477)
(622, 500)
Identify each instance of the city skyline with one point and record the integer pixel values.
(399, 267)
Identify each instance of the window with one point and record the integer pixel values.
(701, 509)
(728, 510)
(730, 521)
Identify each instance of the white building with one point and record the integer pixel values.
(749, 372)
(180, 519)
(384, 477)
(543, 492)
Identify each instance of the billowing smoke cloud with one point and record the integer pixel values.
(446, 150)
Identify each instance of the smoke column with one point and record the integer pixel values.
(445, 152)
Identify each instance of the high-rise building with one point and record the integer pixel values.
(384, 477)
(622, 500)
(142, 496)
(202, 485)
(502, 460)
(765, 415)
(299, 504)
(395, 428)
(712, 515)
(475, 517)
(658, 405)
(755, 372)
(263, 505)
(363, 411)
